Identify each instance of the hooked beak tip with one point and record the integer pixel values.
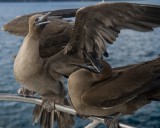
(89, 68)
(42, 23)
(42, 20)
(44, 17)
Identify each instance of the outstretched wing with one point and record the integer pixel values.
(132, 81)
(97, 25)
(19, 25)
(54, 37)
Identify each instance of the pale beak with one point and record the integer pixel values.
(95, 66)
(88, 67)
(94, 61)
(42, 20)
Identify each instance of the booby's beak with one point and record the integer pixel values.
(42, 20)
(88, 67)
(94, 61)
(95, 66)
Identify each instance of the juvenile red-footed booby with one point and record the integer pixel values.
(30, 71)
(122, 90)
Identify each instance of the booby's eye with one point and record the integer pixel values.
(36, 20)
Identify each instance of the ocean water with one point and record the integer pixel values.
(131, 47)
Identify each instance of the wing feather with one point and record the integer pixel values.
(97, 25)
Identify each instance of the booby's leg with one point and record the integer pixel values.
(48, 104)
(44, 114)
(113, 122)
(25, 92)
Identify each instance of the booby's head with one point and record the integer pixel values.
(106, 71)
(103, 73)
(38, 22)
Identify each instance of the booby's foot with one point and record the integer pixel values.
(48, 104)
(82, 116)
(112, 122)
(25, 92)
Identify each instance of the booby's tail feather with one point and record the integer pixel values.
(37, 112)
(64, 120)
(47, 119)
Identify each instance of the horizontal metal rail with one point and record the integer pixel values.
(63, 108)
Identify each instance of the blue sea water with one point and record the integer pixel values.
(131, 47)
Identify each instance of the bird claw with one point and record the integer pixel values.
(25, 92)
(48, 104)
(82, 116)
(113, 122)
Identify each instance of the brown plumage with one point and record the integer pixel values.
(122, 90)
(55, 37)
(95, 26)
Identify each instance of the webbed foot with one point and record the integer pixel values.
(48, 104)
(25, 92)
(113, 122)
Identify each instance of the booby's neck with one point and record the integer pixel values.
(34, 32)
(28, 61)
(30, 48)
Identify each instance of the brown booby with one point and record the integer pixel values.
(30, 71)
(95, 26)
(121, 90)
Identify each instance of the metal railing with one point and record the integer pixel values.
(95, 121)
